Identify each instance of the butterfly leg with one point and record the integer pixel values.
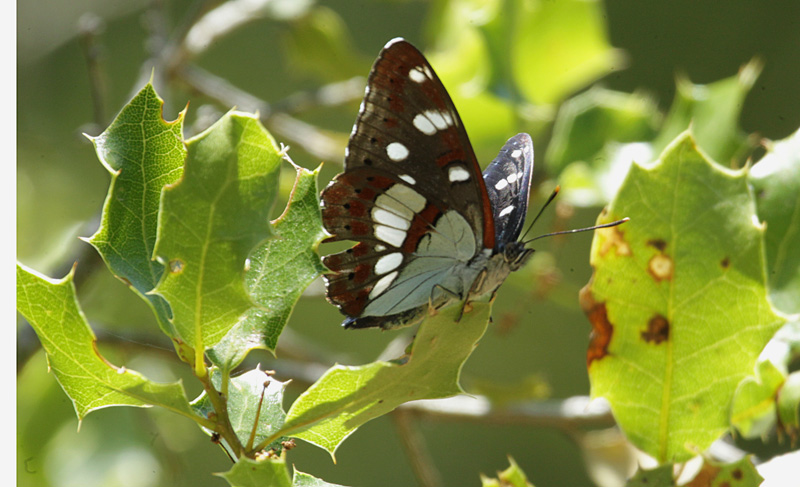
(438, 287)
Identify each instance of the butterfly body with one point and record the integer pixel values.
(430, 228)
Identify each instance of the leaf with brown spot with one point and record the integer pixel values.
(737, 474)
(686, 330)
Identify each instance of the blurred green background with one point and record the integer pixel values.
(297, 47)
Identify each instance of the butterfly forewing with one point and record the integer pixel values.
(508, 181)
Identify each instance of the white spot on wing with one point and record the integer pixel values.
(456, 173)
(382, 285)
(379, 248)
(441, 120)
(408, 179)
(516, 153)
(390, 235)
(388, 263)
(417, 75)
(424, 125)
(407, 197)
(396, 151)
(506, 210)
(511, 178)
(499, 185)
(390, 219)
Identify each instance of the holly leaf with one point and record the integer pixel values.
(513, 476)
(753, 412)
(677, 302)
(280, 270)
(143, 153)
(346, 397)
(776, 180)
(789, 405)
(588, 121)
(247, 472)
(713, 112)
(736, 474)
(658, 477)
(301, 479)
(90, 381)
(210, 221)
(255, 405)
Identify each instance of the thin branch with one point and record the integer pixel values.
(565, 414)
(91, 26)
(416, 449)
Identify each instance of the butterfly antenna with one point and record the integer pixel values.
(546, 203)
(595, 227)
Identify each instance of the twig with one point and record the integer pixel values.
(91, 26)
(565, 414)
(416, 449)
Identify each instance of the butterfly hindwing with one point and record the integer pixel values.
(508, 182)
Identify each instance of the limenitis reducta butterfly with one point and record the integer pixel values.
(430, 229)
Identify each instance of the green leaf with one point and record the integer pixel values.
(712, 111)
(301, 479)
(346, 397)
(280, 269)
(567, 41)
(90, 381)
(753, 410)
(592, 119)
(789, 405)
(741, 473)
(776, 180)
(210, 221)
(258, 473)
(255, 405)
(513, 476)
(143, 153)
(319, 43)
(678, 301)
(657, 477)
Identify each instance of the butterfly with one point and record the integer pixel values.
(430, 228)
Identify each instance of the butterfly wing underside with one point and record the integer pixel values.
(508, 182)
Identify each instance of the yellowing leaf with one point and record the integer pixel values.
(678, 301)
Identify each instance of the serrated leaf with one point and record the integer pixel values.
(258, 473)
(657, 477)
(677, 302)
(210, 221)
(280, 269)
(712, 111)
(301, 479)
(789, 405)
(736, 474)
(143, 153)
(346, 397)
(776, 180)
(255, 405)
(753, 410)
(592, 119)
(513, 476)
(90, 381)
